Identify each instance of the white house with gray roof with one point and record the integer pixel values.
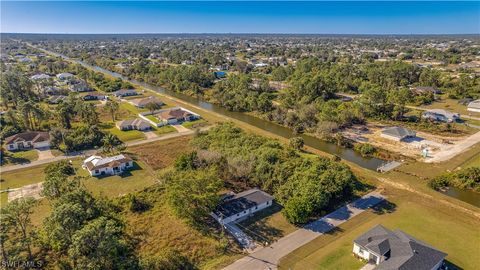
(441, 115)
(474, 106)
(396, 250)
(236, 207)
(397, 133)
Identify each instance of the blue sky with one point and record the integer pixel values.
(241, 17)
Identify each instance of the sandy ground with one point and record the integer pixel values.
(452, 150)
(44, 154)
(436, 145)
(32, 190)
(180, 128)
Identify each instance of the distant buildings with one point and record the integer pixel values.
(426, 89)
(175, 115)
(397, 133)
(94, 96)
(28, 140)
(134, 124)
(235, 207)
(396, 250)
(39, 77)
(441, 115)
(98, 166)
(65, 76)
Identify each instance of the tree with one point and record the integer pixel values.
(152, 106)
(296, 143)
(17, 227)
(111, 143)
(101, 244)
(192, 194)
(112, 106)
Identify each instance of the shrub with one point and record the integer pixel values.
(365, 149)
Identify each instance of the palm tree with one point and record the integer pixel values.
(112, 106)
(152, 106)
(109, 142)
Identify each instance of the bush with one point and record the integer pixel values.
(365, 149)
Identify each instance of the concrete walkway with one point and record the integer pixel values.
(268, 257)
(44, 153)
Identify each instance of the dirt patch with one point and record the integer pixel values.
(32, 190)
(161, 154)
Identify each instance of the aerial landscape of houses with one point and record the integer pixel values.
(240, 135)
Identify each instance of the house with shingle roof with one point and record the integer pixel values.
(28, 140)
(125, 93)
(441, 115)
(176, 115)
(97, 165)
(38, 77)
(397, 133)
(65, 76)
(236, 207)
(142, 102)
(474, 106)
(396, 250)
(133, 124)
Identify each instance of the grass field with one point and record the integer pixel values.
(164, 130)
(195, 124)
(122, 114)
(124, 136)
(161, 154)
(19, 157)
(439, 226)
(153, 118)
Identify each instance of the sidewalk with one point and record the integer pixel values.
(268, 257)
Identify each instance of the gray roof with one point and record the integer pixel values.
(242, 201)
(406, 252)
(474, 104)
(399, 132)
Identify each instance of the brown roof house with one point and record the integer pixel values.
(142, 102)
(134, 124)
(28, 140)
(97, 165)
(175, 115)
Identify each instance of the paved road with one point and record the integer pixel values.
(268, 257)
(455, 149)
(92, 152)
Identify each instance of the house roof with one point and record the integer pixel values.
(64, 75)
(399, 132)
(134, 122)
(96, 162)
(124, 91)
(40, 77)
(423, 89)
(474, 104)
(33, 136)
(141, 102)
(406, 252)
(446, 113)
(176, 113)
(242, 201)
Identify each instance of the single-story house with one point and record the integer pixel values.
(28, 140)
(39, 77)
(176, 115)
(65, 76)
(51, 90)
(97, 165)
(397, 133)
(137, 124)
(94, 96)
(394, 250)
(474, 106)
(426, 89)
(125, 93)
(142, 102)
(80, 87)
(441, 115)
(235, 207)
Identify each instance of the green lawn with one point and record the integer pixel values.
(124, 136)
(164, 130)
(441, 227)
(19, 157)
(131, 108)
(153, 118)
(195, 124)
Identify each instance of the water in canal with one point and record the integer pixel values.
(467, 196)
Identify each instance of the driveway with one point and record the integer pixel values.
(181, 128)
(268, 257)
(455, 149)
(44, 153)
(244, 240)
(150, 134)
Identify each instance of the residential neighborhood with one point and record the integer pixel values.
(230, 135)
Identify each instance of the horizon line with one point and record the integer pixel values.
(244, 33)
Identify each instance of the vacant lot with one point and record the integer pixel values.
(124, 136)
(161, 154)
(122, 114)
(440, 226)
(19, 157)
